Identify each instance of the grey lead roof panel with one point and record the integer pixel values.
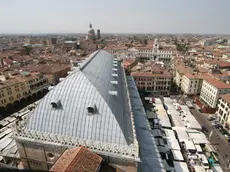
(87, 86)
(150, 157)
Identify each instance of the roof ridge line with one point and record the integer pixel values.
(87, 62)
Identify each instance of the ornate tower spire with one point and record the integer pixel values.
(90, 25)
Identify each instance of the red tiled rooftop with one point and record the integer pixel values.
(216, 83)
(143, 48)
(198, 76)
(8, 61)
(226, 64)
(226, 97)
(182, 68)
(77, 159)
(150, 74)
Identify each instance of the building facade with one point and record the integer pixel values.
(154, 53)
(211, 90)
(153, 78)
(21, 87)
(223, 109)
(179, 73)
(153, 83)
(12, 92)
(191, 84)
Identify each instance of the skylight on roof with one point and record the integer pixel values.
(114, 82)
(114, 93)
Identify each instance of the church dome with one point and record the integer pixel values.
(91, 30)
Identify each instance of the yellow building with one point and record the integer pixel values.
(152, 77)
(12, 91)
(18, 88)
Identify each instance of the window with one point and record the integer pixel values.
(50, 155)
(32, 162)
(225, 116)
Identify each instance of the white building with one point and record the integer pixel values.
(228, 43)
(191, 84)
(180, 71)
(223, 109)
(155, 53)
(211, 90)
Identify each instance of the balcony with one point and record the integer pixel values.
(36, 89)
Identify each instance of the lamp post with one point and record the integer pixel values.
(210, 135)
(228, 164)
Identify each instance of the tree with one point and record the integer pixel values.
(28, 49)
(181, 47)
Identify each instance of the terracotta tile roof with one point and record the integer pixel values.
(150, 69)
(198, 76)
(220, 75)
(226, 97)
(149, 74)
(143, 48)
(224, 64)
(183, 69)
(77, 159)
(10, 82)
(46, 68)
(216, 83)
(127, 62)
(191, 76)
(8, 61)
(202, 69)
(115, 47)
(206, 76)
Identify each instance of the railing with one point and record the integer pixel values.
(36, 89)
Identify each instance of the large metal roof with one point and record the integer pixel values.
(88, 86)
(149, 155)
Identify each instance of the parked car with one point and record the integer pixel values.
(214, 122)
(217, 126)
(227, 136)
(189, 104)
(223, 131)
(204, 129)
(200, 110)
(211, 118)
(220, 127)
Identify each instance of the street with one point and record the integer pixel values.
(221, 144)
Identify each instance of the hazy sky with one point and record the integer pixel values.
(115, 16)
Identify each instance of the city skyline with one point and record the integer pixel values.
(149, 16)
